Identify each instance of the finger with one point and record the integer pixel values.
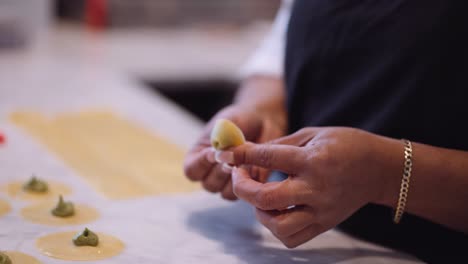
(226, 168)
(289, 159)
(258, 174)
(270, 195)
(288, 222)
(224, 157)
(215, 180)
(210, 156)
(227, 193)
(197, 164)
(302, 236)
(253, 171)
(299, 138)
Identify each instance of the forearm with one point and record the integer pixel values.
(265, 94)
(439, 183)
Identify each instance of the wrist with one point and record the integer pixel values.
(273, 116)
(277, 119)
(265, 95)
(277, 124)
(390, 161)
(274, 122)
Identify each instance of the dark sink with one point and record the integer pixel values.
(202, 98)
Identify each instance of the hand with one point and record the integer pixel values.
(332, 173)
(200, 164)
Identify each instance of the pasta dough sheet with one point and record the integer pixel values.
(15, 190)
(118, 158)
(60, 246)
(18, 257)
(40, 214)
(4, 208)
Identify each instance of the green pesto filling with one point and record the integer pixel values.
(63, 209)
(36, 185)
(4, 259)
(86, 238)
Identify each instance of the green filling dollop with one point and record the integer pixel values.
(63, 209)
(86, 238)
(36, 185)
(4, 259)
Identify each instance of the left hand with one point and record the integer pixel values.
(332, 173)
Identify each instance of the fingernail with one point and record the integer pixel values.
(227, 168)
(211, 156)
(224, 157)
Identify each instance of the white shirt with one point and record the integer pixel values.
(268, 59)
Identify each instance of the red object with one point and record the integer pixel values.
(2, 138)
(96, 13)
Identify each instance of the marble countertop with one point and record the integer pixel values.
(188, 228)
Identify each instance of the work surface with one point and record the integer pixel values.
(185, 227)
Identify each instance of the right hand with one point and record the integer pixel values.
(200, 164)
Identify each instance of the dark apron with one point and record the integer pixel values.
(397, 68)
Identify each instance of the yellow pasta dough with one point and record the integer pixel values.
(118, 158)
(15, 190)
(226, 134)
(18, 257)
(60, 246)
(40, 214)
(4, 208)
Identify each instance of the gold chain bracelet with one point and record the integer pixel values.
(405, 182)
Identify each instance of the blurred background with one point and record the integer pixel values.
(190, 51)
